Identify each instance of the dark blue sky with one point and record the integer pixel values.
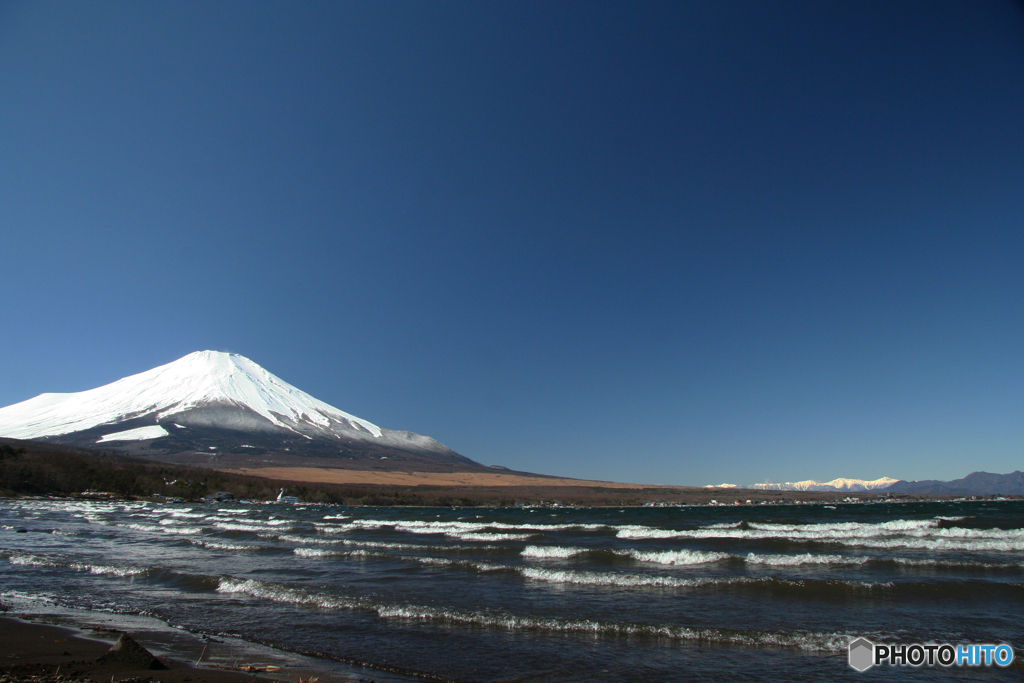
(675, 243)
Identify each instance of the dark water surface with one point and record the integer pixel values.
(769, 593)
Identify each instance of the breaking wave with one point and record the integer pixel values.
(216, 545)
(42, 561)
(668, 557)
(805, 558)
(552, 551)
(676, 557)
(804, 640)
(180, 530)
(917, 534)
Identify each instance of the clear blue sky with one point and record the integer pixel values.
(678, 243)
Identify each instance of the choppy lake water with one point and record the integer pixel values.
(767, 593)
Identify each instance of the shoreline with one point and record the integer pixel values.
(34, 647)
(568, 500)
(62, 644)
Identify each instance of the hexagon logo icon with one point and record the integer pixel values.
(861, 654)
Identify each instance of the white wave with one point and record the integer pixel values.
(639, 531)
(305, 540)
(154, 528)
(924, 534)
(552, 551)
(182, 530)
(321, 552)
(805, 640)
(108, 569)
(472, 565)
(677, 557)
(484, 536)
(953, 544)
(40, 561)
(383, 545)
(32, 561)
(805, 558)
(317, 552)
(30, 598)
(214, 545)
(278, 593)
(469, 531)
(96, 520)
(929, 562)
(188, 514)
(609, 579)
(456, 527)
(232, 526)
(673, 557)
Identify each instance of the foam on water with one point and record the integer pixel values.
(155, 528)
(232, 526)
(482, 536)
(216, 545)
(581, 578)
(923, 534)
(42, 561)
(304, 540)
(805, 558)
(318, 552)
(678, 557)
(551, 551)
(667, 557)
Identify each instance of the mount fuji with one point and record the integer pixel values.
(224, 410)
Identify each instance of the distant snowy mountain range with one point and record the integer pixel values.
(811, 485)
(220, 408)
(974, 484)
(840, 484)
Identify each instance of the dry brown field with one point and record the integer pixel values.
(324, 475)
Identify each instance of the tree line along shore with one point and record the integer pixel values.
(30, 468)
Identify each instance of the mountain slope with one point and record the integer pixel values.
(211, 406)
(974, 484)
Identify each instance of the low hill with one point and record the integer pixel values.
(974, 484)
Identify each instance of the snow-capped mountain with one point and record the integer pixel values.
(840, 484)
(214, 405)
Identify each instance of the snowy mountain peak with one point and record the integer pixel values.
(200, 379)
(841, 484)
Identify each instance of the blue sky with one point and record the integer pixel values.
(678, 243)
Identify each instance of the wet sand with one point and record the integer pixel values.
(43, 650)
(31, 650)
